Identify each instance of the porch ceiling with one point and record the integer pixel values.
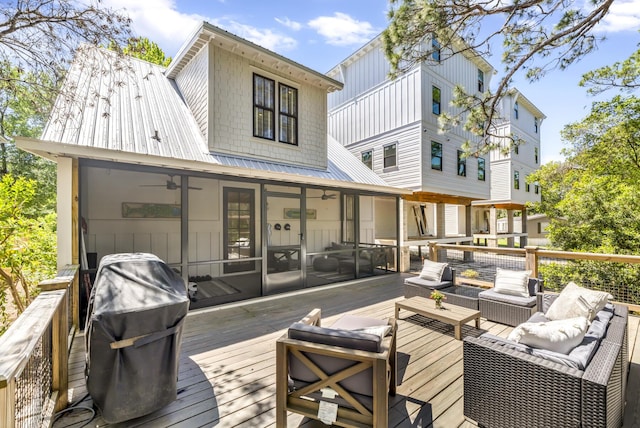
(436, 198)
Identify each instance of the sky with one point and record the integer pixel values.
(321, 33)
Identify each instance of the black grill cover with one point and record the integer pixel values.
(133, 334)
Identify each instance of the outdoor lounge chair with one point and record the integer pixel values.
(508, 309)
(342, 365)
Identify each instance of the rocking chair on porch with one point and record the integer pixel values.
(342, 375)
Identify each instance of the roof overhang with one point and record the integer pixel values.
(500, 204)
(438, 198)
(53, 150)
(207, 33)
(525, 102)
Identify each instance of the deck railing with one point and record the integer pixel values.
(614, 273)
(34, 355)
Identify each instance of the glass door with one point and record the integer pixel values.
(284, 226)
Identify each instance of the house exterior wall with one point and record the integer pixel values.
(192, 84)
(231, 127)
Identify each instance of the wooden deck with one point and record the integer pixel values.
(227, 366)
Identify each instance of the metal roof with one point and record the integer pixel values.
(127, 110)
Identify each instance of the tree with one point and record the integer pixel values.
(535, 36)
(27, 245)
(623, 75)
(145, 49)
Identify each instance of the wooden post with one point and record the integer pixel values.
(8, 402)
(531, 260)
(60, 354)
(433, 251)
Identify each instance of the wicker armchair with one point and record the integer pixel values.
(341, 366)
(506, 387)
(510, 310)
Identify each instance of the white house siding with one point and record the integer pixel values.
(362, 74)
(386, 107)
(501, 180)
(192, 84)
(232, 111)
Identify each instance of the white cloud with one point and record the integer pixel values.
(624, 15)
(261, 36)
(295, 26)
(342, 30)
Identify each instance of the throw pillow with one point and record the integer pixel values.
(557, 336)
(575, 301)
(432, 271)
(514, 283)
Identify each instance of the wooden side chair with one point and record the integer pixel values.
(351, 366)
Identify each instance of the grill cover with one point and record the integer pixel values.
(134, 328)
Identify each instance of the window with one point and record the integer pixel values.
(539, 228)
(288, 115)
(435, 96)
(481, 170)
(462, 164)
(516, 110)
(536, 189)
(239, 235)
(527, 187)
(436, 156)
(390, 156)
(263, 107)
(480, 80)
(516, 180)
(367, 158)
(535, 154)
(535, 124)
(435, 48)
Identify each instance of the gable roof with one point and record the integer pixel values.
(127, 110)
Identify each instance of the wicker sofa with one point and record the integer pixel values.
(508, 309)
(512, 385)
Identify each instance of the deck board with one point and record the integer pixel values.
(227, 364)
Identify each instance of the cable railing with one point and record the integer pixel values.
(34, 356)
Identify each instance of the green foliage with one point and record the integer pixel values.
(144, 49)
(28, 245)
(535, 37)
(624, 75)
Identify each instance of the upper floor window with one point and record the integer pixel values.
(390, 155)
(367, 158)
(516, 148)
(516, 180)
(480, 80)
(263, 107)
(535, 124)
(436, 156)
(435, 48)
(481, 169)
(288, 115)
(536, 189)
(535, 154)
(516, 110)
(462, 164)
(527, 187)
(435, 96)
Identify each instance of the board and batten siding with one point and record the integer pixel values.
(387, 107)
(502, 181)
(363, 74)
(193, 84)
(232, 114)
(454, 220)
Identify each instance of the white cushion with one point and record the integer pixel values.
(558, 336)
(512, 282)
(575, 301)
(432, 270)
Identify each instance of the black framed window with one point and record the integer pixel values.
(462, 164)
(481, 169)
(536, 189)
(480, 80)
(436, 156)
(516, 110)
(390, 155)
(516, 180)
(263, 107)
(239, 225)
(527, 187)
(535, 124)
(435, 97)
(367, 158)
(288, 115)
(435, 48)
(535, 154)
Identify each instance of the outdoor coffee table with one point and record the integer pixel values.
(450, 314)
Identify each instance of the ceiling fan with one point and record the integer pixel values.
(169, 185)
(324, 196)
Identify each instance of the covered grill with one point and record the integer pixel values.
(134, 328)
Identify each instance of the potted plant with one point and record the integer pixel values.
(438, 297)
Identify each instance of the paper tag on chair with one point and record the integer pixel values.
(328, 393)
(327, 412)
